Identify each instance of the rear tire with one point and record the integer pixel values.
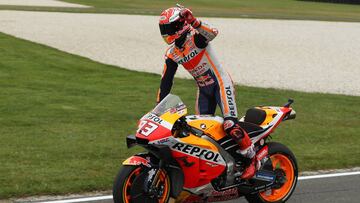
(283, 161)
(128, 186)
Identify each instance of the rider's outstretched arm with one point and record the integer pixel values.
(167, 78)
(205, 32)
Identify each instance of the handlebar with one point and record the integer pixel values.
(184, 128)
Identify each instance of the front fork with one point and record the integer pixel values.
(150, 184)
(154, 172)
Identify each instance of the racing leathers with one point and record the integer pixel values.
(196, 55)
(215, 87)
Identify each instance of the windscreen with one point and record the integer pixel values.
(170, 102)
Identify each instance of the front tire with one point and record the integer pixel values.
(283, 162)
(128, 186)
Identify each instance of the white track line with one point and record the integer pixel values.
(329, 175)
(88, 199)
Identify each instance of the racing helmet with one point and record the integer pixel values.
(172, 25)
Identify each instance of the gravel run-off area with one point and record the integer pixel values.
(48, 3)
(308, 56)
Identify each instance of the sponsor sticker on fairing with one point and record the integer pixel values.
(202, 153)
(154, 118)
(224, 195)
(150, 117)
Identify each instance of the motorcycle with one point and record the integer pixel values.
(190, 158)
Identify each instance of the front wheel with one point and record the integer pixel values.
(284, 165)
(129, 186)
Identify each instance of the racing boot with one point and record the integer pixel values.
(248, 152)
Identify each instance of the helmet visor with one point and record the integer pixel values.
(171, 28)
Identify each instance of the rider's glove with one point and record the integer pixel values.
(232, 127)
(189, 17)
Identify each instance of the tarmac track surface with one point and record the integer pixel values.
(344, 189)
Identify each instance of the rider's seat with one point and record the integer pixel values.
(261, 116)
(255, 115)
(256, 119)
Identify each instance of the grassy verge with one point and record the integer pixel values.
(64, 118)
(269, 9)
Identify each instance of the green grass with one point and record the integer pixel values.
(278, 9)
(64, 119)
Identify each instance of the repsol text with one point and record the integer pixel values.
(154, 118)
(197, 151)
(188, 57)
(231, 103)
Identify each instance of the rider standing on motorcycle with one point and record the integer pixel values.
(189, 39)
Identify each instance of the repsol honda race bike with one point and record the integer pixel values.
(191, 159)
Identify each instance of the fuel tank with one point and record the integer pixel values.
(211, 125)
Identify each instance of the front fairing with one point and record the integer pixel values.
(158, 123)
(199, 159)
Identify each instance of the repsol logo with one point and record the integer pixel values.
(230, 101)
(197, 151)
(154, 118)
(188, 57)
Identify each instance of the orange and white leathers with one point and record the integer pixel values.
(196, 55)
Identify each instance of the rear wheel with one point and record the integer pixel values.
(129, 186)
(285, 167)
